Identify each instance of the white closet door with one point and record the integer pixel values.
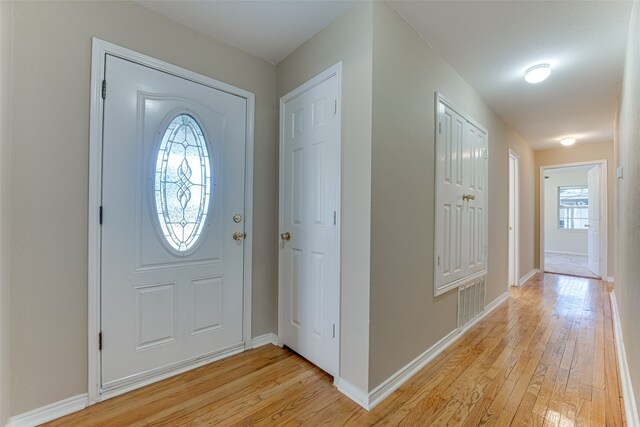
(476, 215)
(309, 273)
(461, 199)
(451, 182)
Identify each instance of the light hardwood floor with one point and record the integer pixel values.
(545, 357)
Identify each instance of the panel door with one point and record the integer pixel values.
(173, 179)
(475, 206)
(593, 234)
(308, 250)
(452, 180)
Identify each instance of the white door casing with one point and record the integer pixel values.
(461, 198)
(178, 308)
(603, 214)
(309, 220)
(513, 275)
(593, 232)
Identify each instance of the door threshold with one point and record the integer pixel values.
(160, 374)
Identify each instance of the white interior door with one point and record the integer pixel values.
(593, 179)
(173, 180)
(309, 248)
(513, 274)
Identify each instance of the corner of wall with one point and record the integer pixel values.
(347, 39)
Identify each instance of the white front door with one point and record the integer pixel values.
(593, 239)
(309, 261)
(172, 199)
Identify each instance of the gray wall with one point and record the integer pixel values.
(405, 317)
(627, 285)
(5, 120)
(49, 192)
(347, 39)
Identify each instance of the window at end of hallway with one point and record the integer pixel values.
(573, 207)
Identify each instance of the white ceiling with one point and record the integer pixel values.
(492, 43)
(268, 29)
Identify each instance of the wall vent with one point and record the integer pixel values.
(470, 301)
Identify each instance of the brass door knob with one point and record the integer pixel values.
(286, 236)
(239, 235)
(468, 197)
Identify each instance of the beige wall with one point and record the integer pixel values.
(51, 66)
(348, 39)
(574, 154)
(405, 317)
(5, 92)
(627, 286)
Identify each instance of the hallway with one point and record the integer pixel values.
(546, 356)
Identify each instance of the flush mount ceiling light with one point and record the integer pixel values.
(568, 141)
(537, 73)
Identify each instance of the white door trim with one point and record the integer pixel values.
(516, 232)
(604, 214)
(101, 48)
(335, 70)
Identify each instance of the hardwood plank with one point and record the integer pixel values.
(544, 357)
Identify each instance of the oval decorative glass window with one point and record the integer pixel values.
(182, 183)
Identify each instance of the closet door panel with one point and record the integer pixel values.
(451, 174)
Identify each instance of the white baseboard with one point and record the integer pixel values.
(50, 412)
(528, 276)
(265, 339)
(625, 378)
(369, 400)
(353, 392)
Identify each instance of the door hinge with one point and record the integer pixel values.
(335, 106)
(100, 215)
(439, 127)
(100, 341)
(334, 330)
(438, 260)
(104, 89)
(334, 218)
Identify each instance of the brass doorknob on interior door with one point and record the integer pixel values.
(468, 197)
(286, 236)
(239, 235)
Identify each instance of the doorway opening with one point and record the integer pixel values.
(573, 219)
(514, 215)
